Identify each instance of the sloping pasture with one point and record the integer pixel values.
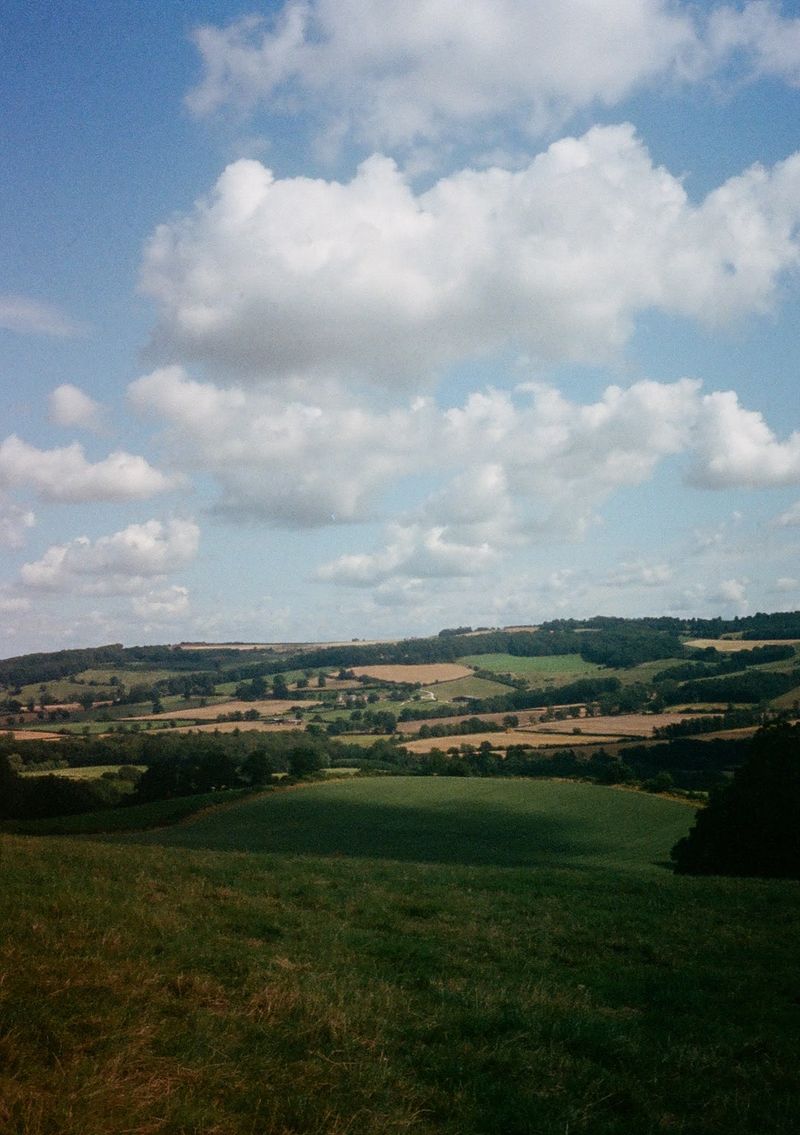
(405, 956)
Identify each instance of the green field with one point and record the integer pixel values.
(489, 822)
(420, 956)
(65, 689)
(545, 670)
(467, 687)
(86, 773)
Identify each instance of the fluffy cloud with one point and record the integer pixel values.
(275, 278)
(428, 70)
(121, 563)
(501, 470)
(69, 406)
(297, 465)
(769, 42)
(169, 603)
(65, 474)
(31, 317)
(732, 592)
(736, 447)
(14, 522)
(413, 552)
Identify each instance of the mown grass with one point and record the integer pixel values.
(423, 957)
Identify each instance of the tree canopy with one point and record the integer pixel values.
(752, 825)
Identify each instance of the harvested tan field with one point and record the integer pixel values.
(501, 741)
(428, 674)
(242, 726)
(282, 647)
(626, 725)
(525, 717)
(227, 645)
(31, 735)
(212, 712)
(726, 645)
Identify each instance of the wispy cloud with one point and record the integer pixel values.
(32, 317)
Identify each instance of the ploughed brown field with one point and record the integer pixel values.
(428, 673)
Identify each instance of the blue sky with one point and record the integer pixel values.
(338, 318)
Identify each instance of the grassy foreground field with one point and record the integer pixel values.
(395, 955)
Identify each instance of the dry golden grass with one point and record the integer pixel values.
(503, 740)
(212, 712)
(727, 645)
(243, 726)
(428, 674)
(32, 735)
(624, 725)
(283, 647)
(524, 717)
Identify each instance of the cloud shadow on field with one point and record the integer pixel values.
(307, 823)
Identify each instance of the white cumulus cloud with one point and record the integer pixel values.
(768, 41)
(736, 447)
(70, 406)
(733, 592)
(163, 605)
(280, 278)
(64, 474)
(428, 71)
(505, 467)
(121, 563)
(296, 464)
